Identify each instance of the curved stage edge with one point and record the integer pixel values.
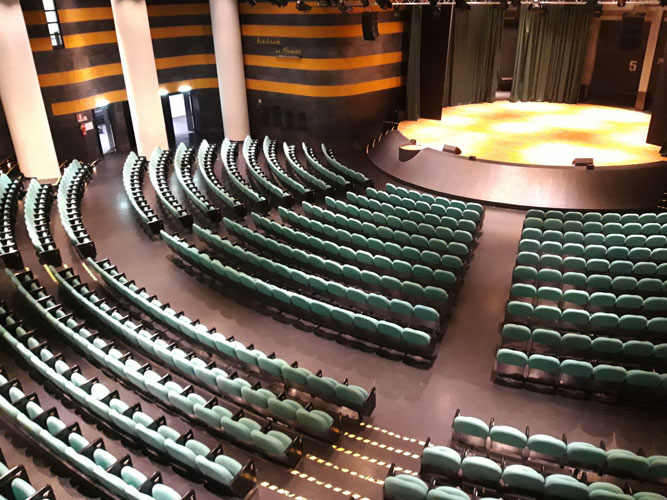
(631, 187)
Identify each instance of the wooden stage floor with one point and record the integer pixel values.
(539, 133)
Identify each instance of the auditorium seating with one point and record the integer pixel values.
(317, 166)
(15, 483)
(183, 159)
(301, 171)
(352, 175)
(228, 153)
(269, 148)
(269, 367)
(206, 160)
(134, 170)
(10, 192)
(70, 190)
(539, 450)
(86, 459)
(37, 214)
(220, 471)
(158, 167)
(250, 155)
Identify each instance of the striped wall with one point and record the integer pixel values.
(312, 75)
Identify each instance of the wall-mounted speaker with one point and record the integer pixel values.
(451, 149)
(632, 27)
(369, 25)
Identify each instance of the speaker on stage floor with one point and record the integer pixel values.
(369, 25)
(447, 148)
(584, 162)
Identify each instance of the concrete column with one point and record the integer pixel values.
(591, 51)
(22, 98)
(655, 14)
(229, 62)
(140, 74)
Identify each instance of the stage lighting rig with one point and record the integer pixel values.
(537, 7)
(279, 3)
(433, 3)
(595, 7)
(621, 3)
(252, 2)
(384, 4)
(516, 3)
(462, 4)
(302, 6)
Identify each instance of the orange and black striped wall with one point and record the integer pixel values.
(313, 75)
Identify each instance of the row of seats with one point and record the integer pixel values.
(10, 192)
(343, 253)
(206, 156)
(70, 191)
(228, 152)
(350, 297)
(332, 177)
(591, 238)
(134, 170)
(193, 368)
(577, 377)
(37, 213)
(416, 196)
(405, 341)
(645, 218)
(353, 175)
(251, 359)
(15, 484)
(366, 234)
(158, 172)
(652, 251)
(213, 466)
(388, 285)
(582, 319)
(269, 148)
(66, 444)
(301, 171)
(640, 269)
(159, 387)
(511, 442)
(616, 227)
(435, 215)
(250, 155)
(547, 341)
(183, 159)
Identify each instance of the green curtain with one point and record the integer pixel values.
(472, 75)
(414, 53)
(550, 54)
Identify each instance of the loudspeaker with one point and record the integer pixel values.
(369, 25)
(451, 149)
(632, 27)
(584, 162)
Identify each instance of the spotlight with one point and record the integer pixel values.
(252, 2)
(384, 4)
(595, 7)
(462, 4)
(516, 3)
(184, 89)
(342, 6)
(621, 3)
(434, 3)
(365, 3)
(503, 5)
(537, 7)
(302, 6)
(279, 3)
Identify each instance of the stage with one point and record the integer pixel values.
(539, 133)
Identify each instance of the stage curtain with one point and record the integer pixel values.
(475, 54)
(413, 85)
(550, 53)
(663, 149)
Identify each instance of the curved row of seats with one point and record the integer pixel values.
(577, 377)
(251, 359)
(343, 253)
(332, 177)
(352, 175)
(592, 238)
(70, 191)
(301, 171)
(269, 148)
(194, 369)
(228, 152)
(10, 192)
(388, 285)
(15, 484)
(219, 470)
(653, 251)
(37, 213)
(375, 304)
(250, 155)
(217, 418)
(66, 444)
(206, 160)
(630, 226)
(183, 159)
(573, 215)
(158, 172)
(511, 442)
(385, 334)
(547, 341)
(134, 170)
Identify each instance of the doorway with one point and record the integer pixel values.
(104, 129)
(180, 107)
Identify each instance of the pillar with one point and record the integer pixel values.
(22, 98)
(140, 74)
(229, 62)
(589, 59)
(651, 44)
